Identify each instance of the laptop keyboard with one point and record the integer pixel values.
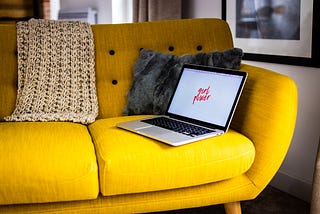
(178, 126)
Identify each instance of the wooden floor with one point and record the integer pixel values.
(270, 201)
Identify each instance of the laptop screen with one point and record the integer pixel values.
(207, 94)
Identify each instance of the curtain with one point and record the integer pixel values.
(151, 10)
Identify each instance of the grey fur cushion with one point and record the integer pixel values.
(156, 74)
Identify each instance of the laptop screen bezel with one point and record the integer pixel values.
(243, 74)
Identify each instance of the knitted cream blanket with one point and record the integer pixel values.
(56, 72)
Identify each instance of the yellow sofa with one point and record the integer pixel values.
(64, 167)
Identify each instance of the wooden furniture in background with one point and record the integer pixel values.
(12, 11)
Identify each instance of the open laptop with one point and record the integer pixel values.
(203, 103)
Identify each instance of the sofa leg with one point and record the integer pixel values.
(233, 208)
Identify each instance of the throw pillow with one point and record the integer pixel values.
(156, 74)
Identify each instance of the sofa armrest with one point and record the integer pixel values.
(266, 114)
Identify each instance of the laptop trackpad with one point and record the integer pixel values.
(164, 134)
(152, 130)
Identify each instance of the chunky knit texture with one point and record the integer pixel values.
(56, 72)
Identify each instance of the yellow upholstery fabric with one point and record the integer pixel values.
(130, 163)
(265, 116)
(214, 193)
(45, 162)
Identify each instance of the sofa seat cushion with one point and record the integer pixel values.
(46, 162)
(130, 163)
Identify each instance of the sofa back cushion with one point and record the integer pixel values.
(117, 47)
